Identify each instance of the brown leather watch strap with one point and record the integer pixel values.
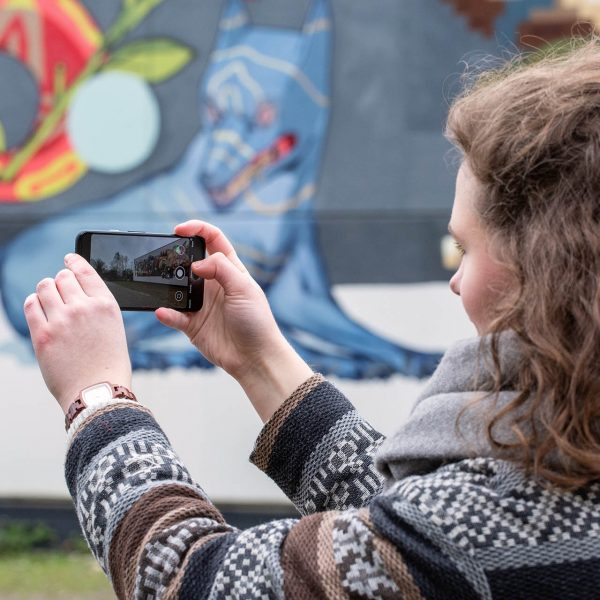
(78, 405)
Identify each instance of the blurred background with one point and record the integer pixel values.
(311, 131)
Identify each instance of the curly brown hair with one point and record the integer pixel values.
(530, 132)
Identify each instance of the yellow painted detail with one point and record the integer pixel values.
(264, 208)
(20, 4)
(82, 20)
(55, 177)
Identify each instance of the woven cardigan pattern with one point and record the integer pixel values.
(476, 528)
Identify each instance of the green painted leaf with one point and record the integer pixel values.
(2, 138)
(154, 59)
(134, 11)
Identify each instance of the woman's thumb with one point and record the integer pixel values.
(173, 318)
(218, 267)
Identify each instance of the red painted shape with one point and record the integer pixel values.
(14, 37)
(285, 144)
(45, 38)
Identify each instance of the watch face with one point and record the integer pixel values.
(96, 393)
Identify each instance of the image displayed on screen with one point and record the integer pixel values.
(143, 271)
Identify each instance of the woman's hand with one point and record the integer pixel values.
(77, 331)
(235, 328)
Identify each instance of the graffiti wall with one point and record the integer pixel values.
(309, 131)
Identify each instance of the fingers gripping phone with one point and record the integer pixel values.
(145, 271)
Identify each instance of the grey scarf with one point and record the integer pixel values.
(431, 436)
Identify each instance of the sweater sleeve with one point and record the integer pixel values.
(319, 450)
(157, 535)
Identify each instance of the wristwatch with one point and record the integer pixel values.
(95, 394)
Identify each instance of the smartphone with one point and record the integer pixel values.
(145, 271)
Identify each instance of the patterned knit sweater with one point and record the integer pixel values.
(475, 528)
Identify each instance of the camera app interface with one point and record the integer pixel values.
(143, 271)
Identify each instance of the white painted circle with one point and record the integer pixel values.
(114, 122)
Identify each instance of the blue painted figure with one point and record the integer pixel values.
(252, 171)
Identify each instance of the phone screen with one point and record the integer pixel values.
(145, 271)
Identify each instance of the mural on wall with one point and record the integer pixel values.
(82, 111)
(251, 170)
(73, 68)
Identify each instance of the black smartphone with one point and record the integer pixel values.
(145, 271)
